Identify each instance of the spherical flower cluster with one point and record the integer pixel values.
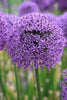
(35, 41)
(28, 7)
(2, 31)
(6, 23)
(45, 4)
(64, 86)
(62, 5)
(50, 16)
(62, 22)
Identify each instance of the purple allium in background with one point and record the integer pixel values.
(6, 24)
(50, 16)
(45, 4)
(2, 31)
(62, 22)
(62, 5)
(28, 7)
(63, 85)
(5, 2)
(35, 41)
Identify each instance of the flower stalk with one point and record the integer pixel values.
(2, 84)
(17, 87)
(38, 84)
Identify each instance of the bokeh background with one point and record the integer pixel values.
(49, 80)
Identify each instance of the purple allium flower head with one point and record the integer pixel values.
(35, 41)
(50, 16)
(45, 4)
(62, 5)
(65, 72)
(6, 24)
(62, 22)
(2, 31)
(28, 7)
(64, 86)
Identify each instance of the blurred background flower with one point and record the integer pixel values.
(63, 85)
(62, 5)
(28, 7)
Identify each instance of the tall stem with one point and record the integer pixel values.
(53, 83)
(2, 84)
(4, 56)
(17, 87)
(38, 84)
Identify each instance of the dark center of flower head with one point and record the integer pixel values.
(35, 38)
(31, 37)
(28, 7)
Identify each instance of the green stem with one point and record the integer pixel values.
(9, 10)
(17, 86)
(9, 6)
(61, 78)
(46, 88)
(38, 84)
(4, 55)
(3, 7)
(19, 82)
(61, 68)
(34, 82)
(53, 83)
(2, 85)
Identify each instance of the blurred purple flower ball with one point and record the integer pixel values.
(62, 22)
(63, 85)
(2, 31)
(35, 41)
(45, 4)
(28, 7)
(62, 5)
(6, 24)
